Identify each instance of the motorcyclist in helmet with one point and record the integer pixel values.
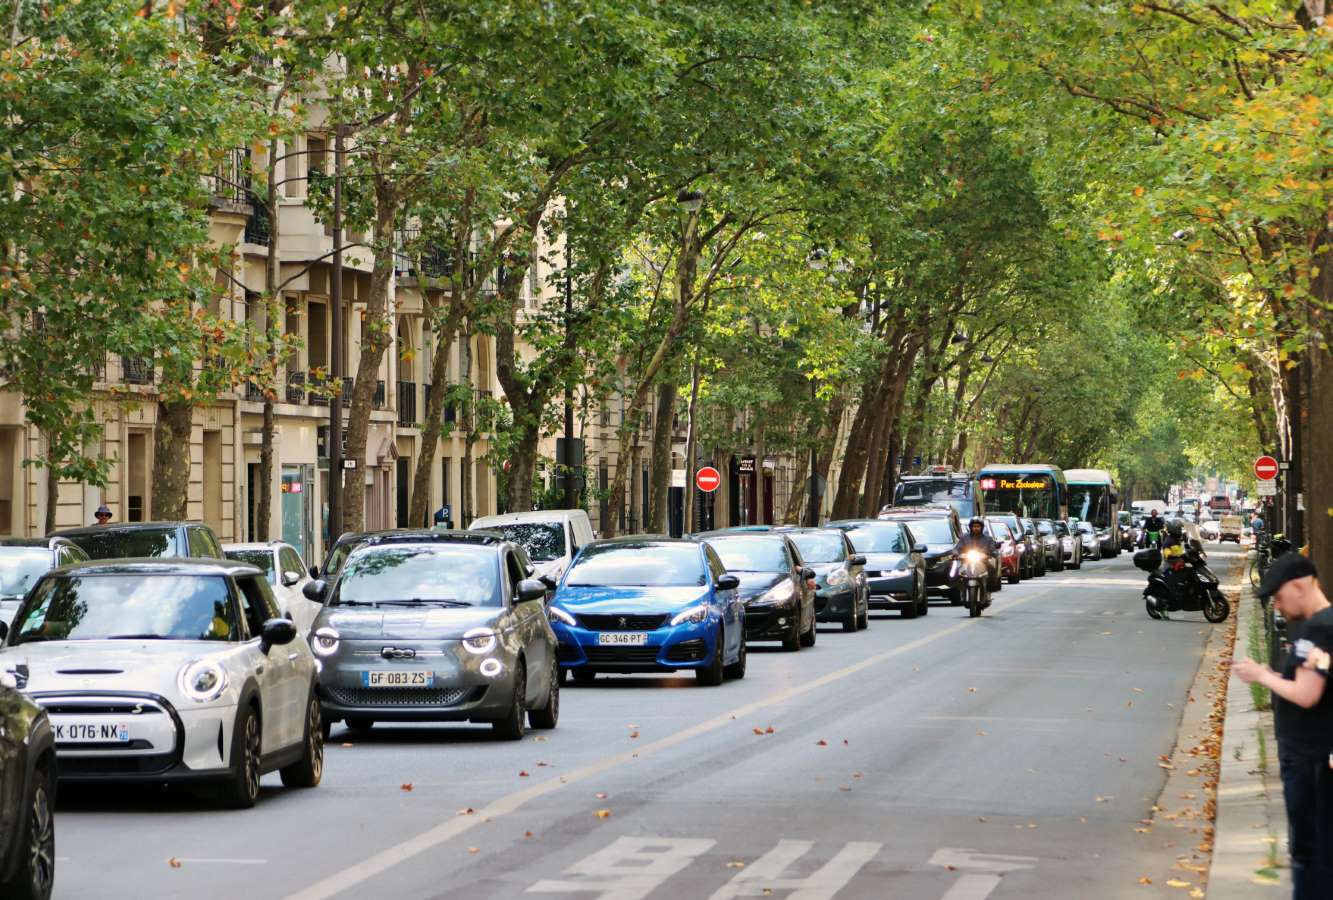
(1175, 566)
(978, 537)
(1154, 524)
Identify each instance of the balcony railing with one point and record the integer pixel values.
(258, 229)
(254, 392)
(137, 369)
(407, 404)
(381, 395)
(416, 257)
(296, 387)
(230, 178)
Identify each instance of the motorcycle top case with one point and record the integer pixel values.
(1148, 560)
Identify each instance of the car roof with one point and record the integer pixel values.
(123, 526)
(842, 524)
(924, 511)
(645, 539)
(158, 566)
(31, 542)
(255, 545)
(425, 536)
(736, 530)
(531, 515)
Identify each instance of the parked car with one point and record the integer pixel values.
(650, 604)
(1009, 557)
(1052, 544)
(895, 565)
(777, 587)
(1088, 537)
(939, 529)
(169, 670)
(1230, 528)
(1026, 549)
(1128, 536)
(286, 573)
(145, 540)
(27, 796)
(551, 537)
(1036, 544)
(1071, 544)
(842, 592)
(23, 561)
(1211, 530)
(436, 626)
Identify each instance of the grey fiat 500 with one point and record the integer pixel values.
(436, 626)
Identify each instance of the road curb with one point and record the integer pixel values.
(1250, 840)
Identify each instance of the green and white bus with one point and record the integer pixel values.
(1094, 497)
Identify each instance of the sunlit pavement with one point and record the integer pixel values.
(1008, 756)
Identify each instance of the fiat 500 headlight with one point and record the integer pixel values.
(324, 642)
(202, 681)
(561, 615)
(836, 577)
(778, 594)
(694, 615)
(479, 641)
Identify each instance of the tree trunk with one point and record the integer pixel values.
(376, 336)
(171, 460)
(274, 325)
(854, 458)
(800, 491)
(659, 487)
(52, 491)
(691, 443)
(467, 476)
(432, 425)
(635, 523)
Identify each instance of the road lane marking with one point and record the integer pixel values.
(630, 868)
(769, 873)
(981, 871)
(386, 859)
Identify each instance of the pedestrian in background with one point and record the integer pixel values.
(1303, 714)
(103, 515)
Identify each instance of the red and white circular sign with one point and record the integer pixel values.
(707, 479)
(1265, 468)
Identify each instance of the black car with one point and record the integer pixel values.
(895, 567)
(957, 489)
(1037, 546)
(27, 797)
(1051, 549)
(1027, 546)
(146, 540)
(777, 587)
(840, 579)
(25, 560)
(939, 528)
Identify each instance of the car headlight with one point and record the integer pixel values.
(694, 615)
(202, 681)
(479, 641)
(561, 616)
(324, 642)
(836, 577)
(779, 593)
(895, 573)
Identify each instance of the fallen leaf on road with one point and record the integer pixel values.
(633, 734)
(601, 795)
(174, 863)
(844, 787)
(857, 775)
(916, 668)
(768, 730)
(844, 742)
(758, 730)
(971, 690)
(1177, 883)
(466, 811)
(347, 745)
(523, 774)
(1128, 704)
(1138, 690)
(950, 869)
(1196, 892)
(473, 849)
(542, 739)
(1106, 632)
(542, 765)
(981, 734)
(1143, 830)
(1083, 819)
(1145, 880)
(527, 834)
(603, 813)
(405, 787)
(1192, 772)
(981, 818)
(821, 743)
(735, 864)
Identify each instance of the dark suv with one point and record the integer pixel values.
(27, 797)
(146, 540)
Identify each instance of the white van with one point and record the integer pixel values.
(551, 536)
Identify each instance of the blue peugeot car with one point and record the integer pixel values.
(649, 604)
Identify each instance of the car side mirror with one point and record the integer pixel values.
(807, 573)
(275, 633)
(531, 589)
(291, 579)
(548, 581)
(920, 548)
(315, 590)
(858, 560)
(314, 572)
(4, 630)
(728, 582)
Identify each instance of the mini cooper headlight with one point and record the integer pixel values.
(324, 642)
(780, 593)
(479, 641)
(561, 616)
(694, 615)
(202, 681)
(836, 577)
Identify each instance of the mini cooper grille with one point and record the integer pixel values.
(688, 651)
(621, 655)
(623, 623)
(400, 696)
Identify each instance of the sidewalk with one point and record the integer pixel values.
(1250, 842)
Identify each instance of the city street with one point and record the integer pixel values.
(1008, 756)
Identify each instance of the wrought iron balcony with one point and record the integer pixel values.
(296, 387)
(258, 229)
(407, 404)
(137, 369)
(381, 395)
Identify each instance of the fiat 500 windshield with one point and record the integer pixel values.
(439, 575)
(138, 606)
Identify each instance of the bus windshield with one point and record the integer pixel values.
(1090, 502)
(1031, 496)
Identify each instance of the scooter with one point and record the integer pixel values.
(1151, 540)
(972, 573)
(1197, 591)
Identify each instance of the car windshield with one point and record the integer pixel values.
(544, 541)
(932, 531)
(128, 543)
(1045, 527)
(877, 538)
(20, 567)
(1085, 527)
(751, 554)
(337, 556)
(636, 564)
(1061, 529)
(817, 547)
(260, 559)
(1000, 531)
(402, 574)
(128, 606)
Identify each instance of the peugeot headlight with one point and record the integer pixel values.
(779, 593)
(202, 681)
(694, 615)
(561, 616)
(836, 577)
(324, 642)
(479, 641)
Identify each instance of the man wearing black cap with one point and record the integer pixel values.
(1303, 714)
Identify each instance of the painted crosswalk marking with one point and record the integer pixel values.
(629, 869)
(768, 874)
(980, 871)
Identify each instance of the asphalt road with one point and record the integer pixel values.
(1008, 756)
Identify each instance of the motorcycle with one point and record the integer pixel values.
(1195, 589)
(1150, 540)
(972, 573)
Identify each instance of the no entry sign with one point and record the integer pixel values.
(707, 479)
(1265, 468)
